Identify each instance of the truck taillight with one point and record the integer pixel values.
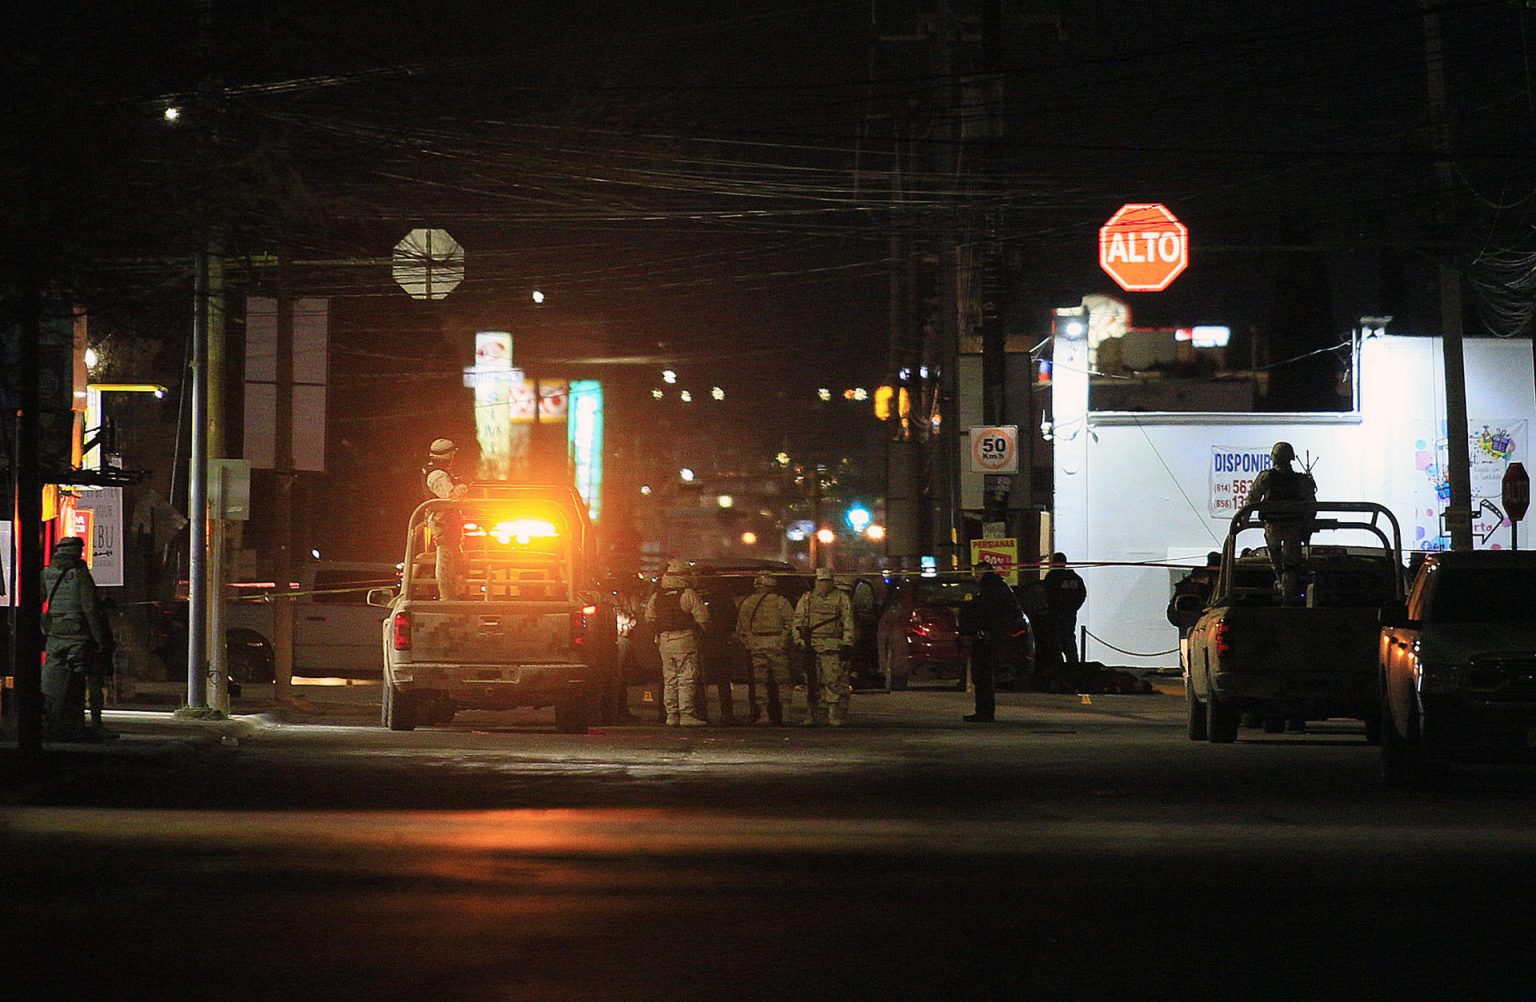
(579, 624)
(1223, 637)
(402, 631)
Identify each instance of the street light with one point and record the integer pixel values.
(686, 474)
(875, 533)
(749, 538)
(825, 536)
(717, 393)
(668, 376)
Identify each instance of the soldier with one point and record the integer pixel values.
(824, 624)
(446, 524)
(1286, 500)
(674, 613)
(765, 627)
(78, 638)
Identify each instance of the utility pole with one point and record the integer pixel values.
(218, 571)
(197, 496)
(282, 463)
(1458, 513)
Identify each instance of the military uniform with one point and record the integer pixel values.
(827, 615)
(674, 613)
(1286, 501)
(765, 625)
(79, 639)
(445, 523)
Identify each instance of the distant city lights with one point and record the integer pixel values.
(717, 393)
(686, 396)
(875, 533)
(782, 459)
(668, 376)
(172, 114)
(825, 536)
(686, 474)
(658, 393)
(538, 297)
(645, 489)
(726, 501)
(749, 538)
(858, 518)
(824, 394)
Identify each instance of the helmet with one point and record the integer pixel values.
(1282, 454)
(443, 447)
(763, 581)
(824, 574)
(70, 543)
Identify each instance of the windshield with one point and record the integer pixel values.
(1483, 595)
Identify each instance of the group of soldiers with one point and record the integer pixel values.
(820, 625)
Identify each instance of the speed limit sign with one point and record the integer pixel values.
(995, 449)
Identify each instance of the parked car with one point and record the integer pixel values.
(335, 633)
(919, 633)
(1458, 666)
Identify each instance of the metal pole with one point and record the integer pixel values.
(218, 670)
(282, 570)
(28, 597)
(197, 494)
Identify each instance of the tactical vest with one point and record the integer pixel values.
(1287, 487)
(670, 617)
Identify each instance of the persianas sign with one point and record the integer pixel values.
(1143, 247)
(1001, 554)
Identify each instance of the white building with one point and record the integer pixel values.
(1159, 488)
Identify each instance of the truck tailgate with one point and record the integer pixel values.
(1300, 640)
(480, 633)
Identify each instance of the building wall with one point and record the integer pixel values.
(1141, 488)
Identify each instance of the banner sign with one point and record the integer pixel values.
(1232, 472)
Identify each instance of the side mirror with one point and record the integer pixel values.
(381, 597)
(1394, 616)
(1188, 604)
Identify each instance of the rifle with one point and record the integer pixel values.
(812, 669)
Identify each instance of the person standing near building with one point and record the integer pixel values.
(674, 613)
(997, 612)
(1065, 594)
(765, 627)
(77, 635)
(824, 625)
(445, 522)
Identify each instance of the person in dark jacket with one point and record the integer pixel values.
(1065, 594)
(78, 641)
(997, 612)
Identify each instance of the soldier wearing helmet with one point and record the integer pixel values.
(824, 624)
(1286, 502)
(445, 522)
(765, 627)
(675, 612)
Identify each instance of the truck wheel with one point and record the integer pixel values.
(248, 665)
(572, 714)
(1403, 762)
(1220, 721)
(1196, 712)
(397, 710)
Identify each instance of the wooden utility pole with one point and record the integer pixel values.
(1458, 514)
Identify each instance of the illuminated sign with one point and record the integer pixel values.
(584, 441)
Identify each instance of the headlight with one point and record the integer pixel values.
(1441, 678)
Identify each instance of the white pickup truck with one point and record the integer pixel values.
(529, 623)
(335, 633)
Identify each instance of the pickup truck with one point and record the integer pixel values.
(335, 633)
(530, 625)
(1458, 666)
(1309, 655)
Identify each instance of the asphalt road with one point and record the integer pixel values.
(1073, 850)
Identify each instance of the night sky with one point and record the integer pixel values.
(711, 180)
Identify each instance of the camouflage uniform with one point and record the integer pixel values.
(828, 614)
(764, 624)
(78, 639)
(673, 613)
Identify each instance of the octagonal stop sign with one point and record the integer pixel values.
(1516, 492)
(1144, 247)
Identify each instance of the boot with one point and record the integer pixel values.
(810, 716)
(837, 714)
